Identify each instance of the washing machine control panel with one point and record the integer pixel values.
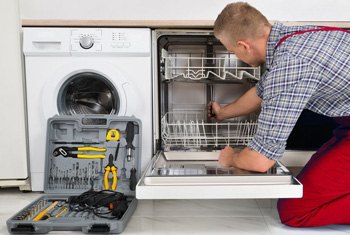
(86, 39)
(110, 41)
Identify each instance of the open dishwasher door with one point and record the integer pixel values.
(198, 175)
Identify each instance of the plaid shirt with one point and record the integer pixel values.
(307, 71)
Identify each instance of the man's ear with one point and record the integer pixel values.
(244, 45)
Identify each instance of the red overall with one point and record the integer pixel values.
(325, 179)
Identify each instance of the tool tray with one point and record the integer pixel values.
(67, 176)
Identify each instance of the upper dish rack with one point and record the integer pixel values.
(195, 66)
(189, 129)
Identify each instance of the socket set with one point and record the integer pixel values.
(90, 176)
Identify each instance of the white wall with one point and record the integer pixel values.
(291, 10)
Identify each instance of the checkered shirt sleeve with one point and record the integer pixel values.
(286, 89)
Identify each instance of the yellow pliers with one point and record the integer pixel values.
(65, 152)
(111, 168)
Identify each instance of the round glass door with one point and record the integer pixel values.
(88, 93)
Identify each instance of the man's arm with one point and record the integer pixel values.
(247, 103)
(246, 159)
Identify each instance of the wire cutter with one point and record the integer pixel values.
(65, 152)
(111, 168)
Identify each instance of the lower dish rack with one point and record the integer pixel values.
(190, 129)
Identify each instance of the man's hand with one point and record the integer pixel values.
(247, 159)
(247, 103)
(214, 107)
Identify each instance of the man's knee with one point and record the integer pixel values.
(287, 215)
(282, 210)
(294, 214)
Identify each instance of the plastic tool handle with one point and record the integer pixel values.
(133, 180)
(129, 134)
(46, 216)
(92, 149)
(212, 113)
(38, 217)
(129, 138)
(115, 178)
(90, 156)
(107, 170)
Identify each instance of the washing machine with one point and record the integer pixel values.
(85, 71)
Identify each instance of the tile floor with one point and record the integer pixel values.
(183, 217)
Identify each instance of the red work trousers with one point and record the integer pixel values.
(326, 185)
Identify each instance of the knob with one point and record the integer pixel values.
(86, 42)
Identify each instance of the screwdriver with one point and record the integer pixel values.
(61, 212)
(42, 214)
(123, 174)
(129, 139)
(212, 113)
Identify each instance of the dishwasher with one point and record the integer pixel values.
(192, 67)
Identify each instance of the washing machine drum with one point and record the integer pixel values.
(88, 93)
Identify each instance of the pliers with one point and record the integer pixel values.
(65, 152)
(111, 168)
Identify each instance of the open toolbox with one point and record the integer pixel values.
(81, 152)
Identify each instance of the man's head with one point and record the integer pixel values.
(243, 30)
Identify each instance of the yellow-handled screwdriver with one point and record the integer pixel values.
(41, 214)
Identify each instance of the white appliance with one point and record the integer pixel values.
(14, 164)
(85, 70)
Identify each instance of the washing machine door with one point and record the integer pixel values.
(88, 87)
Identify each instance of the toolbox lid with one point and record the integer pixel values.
(79, 148)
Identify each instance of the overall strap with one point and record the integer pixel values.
(312, 30)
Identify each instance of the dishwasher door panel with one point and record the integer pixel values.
(166, 178)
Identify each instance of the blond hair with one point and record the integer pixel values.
(240, 21)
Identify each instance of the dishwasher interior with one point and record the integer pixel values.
(193, 71)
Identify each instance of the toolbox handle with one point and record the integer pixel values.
(23, 228)
(90, 121)
(99, 228)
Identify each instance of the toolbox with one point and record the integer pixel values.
(91, 171)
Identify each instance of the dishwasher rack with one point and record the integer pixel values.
(190, 129)
(199, 66)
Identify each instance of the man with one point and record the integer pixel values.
(307, 67)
